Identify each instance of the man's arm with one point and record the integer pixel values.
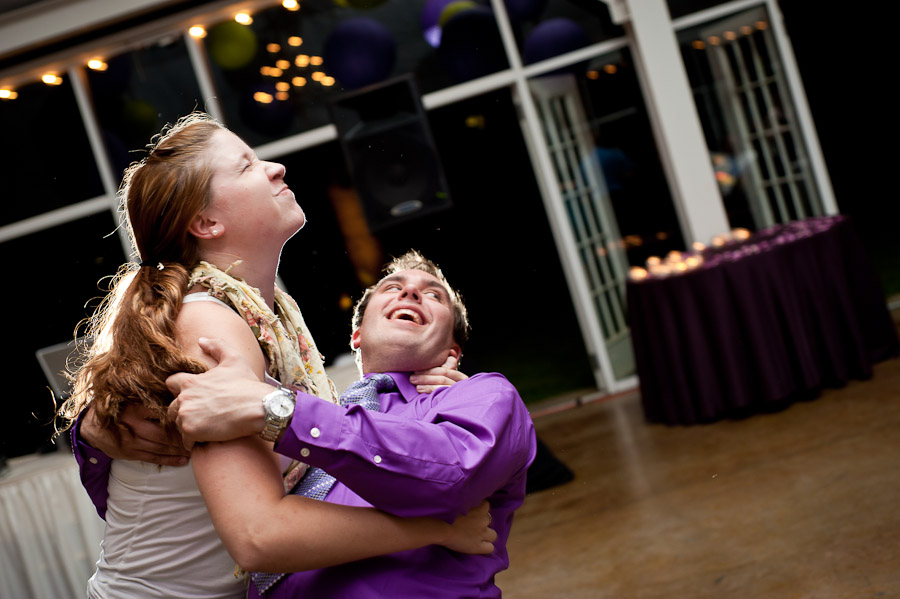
(476, 436)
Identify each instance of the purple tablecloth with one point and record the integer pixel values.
(776, 318)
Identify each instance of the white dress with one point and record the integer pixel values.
(159, 539)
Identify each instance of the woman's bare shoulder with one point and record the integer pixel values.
(214, 320)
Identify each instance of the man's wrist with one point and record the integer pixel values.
(278, 407)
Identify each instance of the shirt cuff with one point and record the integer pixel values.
(87, 457)
(314, 430)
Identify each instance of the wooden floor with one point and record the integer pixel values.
(803, 503)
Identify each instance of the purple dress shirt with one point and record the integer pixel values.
(423, 455)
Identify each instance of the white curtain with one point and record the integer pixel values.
(49, 531)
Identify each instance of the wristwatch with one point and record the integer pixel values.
(279, 406)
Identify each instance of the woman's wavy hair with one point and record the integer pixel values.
(132, 348)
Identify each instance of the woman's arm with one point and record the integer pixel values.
(262, 529)
(266, 531)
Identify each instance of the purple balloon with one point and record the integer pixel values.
(359, 52)
(554, 37)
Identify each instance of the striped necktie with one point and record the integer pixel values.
(316, 483)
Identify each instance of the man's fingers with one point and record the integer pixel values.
(218, 350)
(451, 362)
(175, 382)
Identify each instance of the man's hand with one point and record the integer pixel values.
(146, 442)
(223, 403)
(444, 375)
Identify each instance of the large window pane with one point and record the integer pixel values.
(610, 182)
(276, 75)
(57, 273)
(46, 157)
(138, 92)
(751, 126)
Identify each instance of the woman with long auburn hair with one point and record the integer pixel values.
(208, 219)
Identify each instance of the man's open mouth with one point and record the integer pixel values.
(405, 314)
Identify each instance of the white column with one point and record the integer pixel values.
(673, 115)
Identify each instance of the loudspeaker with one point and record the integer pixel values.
(390, 152)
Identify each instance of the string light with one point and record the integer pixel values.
(197, 32)
(96, 64)
(51, 79)
(243, 18)
(291, 5)
(8, 94)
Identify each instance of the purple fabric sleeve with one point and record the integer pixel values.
(435, 455)
(93, 467)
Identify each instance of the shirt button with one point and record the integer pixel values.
(377, 459)
(315, 432)
(304, 452)
(92, 460)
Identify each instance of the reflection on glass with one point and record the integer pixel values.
(612, 186)
(276, 75)
(545, 29)
(756, 147)
(46, 157)
(625, 151)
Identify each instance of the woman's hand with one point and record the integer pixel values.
(444, 375)
(471, 532)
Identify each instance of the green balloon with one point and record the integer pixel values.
(141, 117)
(231, 45)
(455, 8)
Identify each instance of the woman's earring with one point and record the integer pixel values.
(215, 232)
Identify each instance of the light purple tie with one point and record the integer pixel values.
(316, 483)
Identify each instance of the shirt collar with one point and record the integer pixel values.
(406, 389)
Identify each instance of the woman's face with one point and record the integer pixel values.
(249, 195)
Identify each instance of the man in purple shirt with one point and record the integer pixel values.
(421, 455)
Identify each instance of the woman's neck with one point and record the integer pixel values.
(253, 272)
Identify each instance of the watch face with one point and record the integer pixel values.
(281, 405)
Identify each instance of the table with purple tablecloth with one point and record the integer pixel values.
(760, 323)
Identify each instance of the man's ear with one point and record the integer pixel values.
(354, 340)
(205, 227)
